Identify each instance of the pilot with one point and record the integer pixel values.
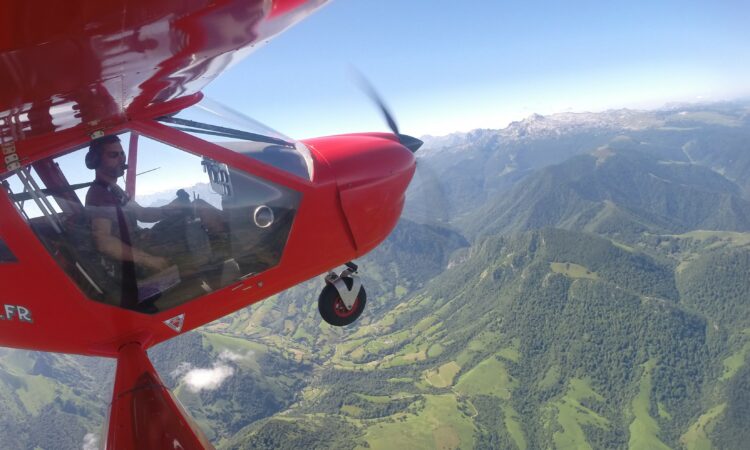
(114, 218)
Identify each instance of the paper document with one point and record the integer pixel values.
(156, 284)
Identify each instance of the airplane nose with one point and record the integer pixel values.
(372, 173)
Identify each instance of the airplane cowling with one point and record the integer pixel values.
(372, 173)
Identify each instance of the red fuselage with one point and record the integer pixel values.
(82, 67)
(71, 71)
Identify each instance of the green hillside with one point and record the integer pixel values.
(51, 401)
(628, 192)
(535, 355)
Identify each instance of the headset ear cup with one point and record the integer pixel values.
(92, 160)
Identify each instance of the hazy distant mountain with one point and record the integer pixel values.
(617, 191)
(463, 170)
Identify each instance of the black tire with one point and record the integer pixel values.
(333, 310)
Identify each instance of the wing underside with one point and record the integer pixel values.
(88, 65)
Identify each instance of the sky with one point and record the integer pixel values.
(445, 66)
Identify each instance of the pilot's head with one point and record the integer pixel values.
(106, 156)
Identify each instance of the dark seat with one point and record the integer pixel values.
(74, 250)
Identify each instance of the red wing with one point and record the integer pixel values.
(90, 64)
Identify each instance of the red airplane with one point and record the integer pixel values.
(89, 89)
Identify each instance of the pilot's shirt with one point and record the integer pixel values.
(109, 201)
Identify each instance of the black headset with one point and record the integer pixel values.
(93, 159)
(94, 155)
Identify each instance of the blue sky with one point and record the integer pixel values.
(446, 66)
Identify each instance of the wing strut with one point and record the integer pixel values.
(144, 414)
(132, 165)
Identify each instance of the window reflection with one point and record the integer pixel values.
(187, 225)
(234, 131)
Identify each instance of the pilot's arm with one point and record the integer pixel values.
(147, 214)
(101, 229)
(151, 214)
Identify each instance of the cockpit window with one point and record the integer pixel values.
(177, 227)
(5, 254)
(225, 127)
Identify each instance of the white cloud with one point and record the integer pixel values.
(182, 369)
(228, 355)
(198, 379)
(90, 442)
(208, 379)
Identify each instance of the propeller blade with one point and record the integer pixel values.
(407, 141)
(365, 84)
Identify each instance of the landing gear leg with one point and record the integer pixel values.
(343, 298)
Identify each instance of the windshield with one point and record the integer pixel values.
(232, 130)
(184, 226)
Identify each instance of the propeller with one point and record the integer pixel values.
(407, 141)
(426, 199)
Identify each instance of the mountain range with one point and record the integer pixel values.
(570, 281)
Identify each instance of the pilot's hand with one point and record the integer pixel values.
(179, 206)
(156, 262)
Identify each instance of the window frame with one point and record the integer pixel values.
(192, 144)
(181, 141)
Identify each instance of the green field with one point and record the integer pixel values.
(443, 376)
(571, 415)
(37, 392)
(248, 349)
(435, 350)
(551, 377)
(696, 437)
(510, 353)
(351, 410)
(480, 344)
(34, 391)
(384, 398)
(735, 362)
(622, 246)
(644, 429)
(440, 425)
(489, 377)
(514, 427)
(220, 341)
(573, 270)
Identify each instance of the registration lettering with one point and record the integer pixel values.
(16, 312)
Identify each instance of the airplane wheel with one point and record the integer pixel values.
(332, 308)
